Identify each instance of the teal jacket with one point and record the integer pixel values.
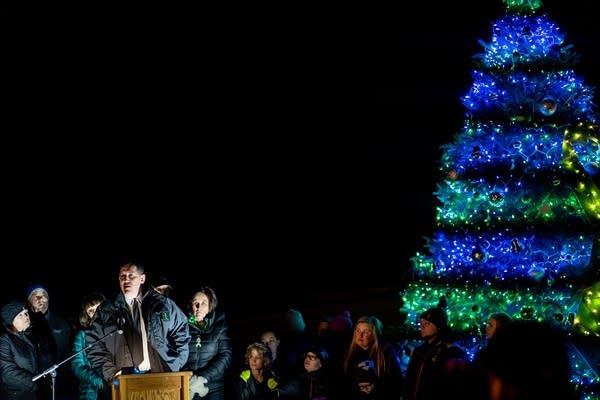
(90, 381)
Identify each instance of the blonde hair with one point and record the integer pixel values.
(375, 351)
(260, 349)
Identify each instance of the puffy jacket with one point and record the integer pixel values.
(18, 363)
(210, 350)
(90, 382)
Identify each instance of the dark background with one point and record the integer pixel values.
(292, 146)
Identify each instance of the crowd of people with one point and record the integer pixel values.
(143, 330)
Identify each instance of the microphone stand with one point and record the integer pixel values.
(52, 370)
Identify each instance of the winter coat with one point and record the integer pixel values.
(246, 388)
(18, 363)
(167, 332)
(427, 371)
(90, 381)
(390, 385)
(308, 386)
(210, 351)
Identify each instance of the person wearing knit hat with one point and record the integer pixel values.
(341, 323)
(11, 310)
(436, 316)
(318, 352)
(294, 322)
(312, 383)
(51, 334)
(18, 355)
(365, 377)
(365, 371)
(37, 297)
(427, 374)
(323, 325)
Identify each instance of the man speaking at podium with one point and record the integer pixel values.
(155, 333)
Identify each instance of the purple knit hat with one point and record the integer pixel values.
(341, 323)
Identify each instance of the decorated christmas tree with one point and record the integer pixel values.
(518, 221)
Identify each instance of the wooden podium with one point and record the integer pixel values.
(157, 386)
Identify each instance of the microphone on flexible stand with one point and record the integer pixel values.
(52, 369)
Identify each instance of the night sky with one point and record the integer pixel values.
(204, 145)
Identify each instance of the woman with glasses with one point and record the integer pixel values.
(367, 344)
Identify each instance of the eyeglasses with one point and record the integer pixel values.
(129, 276)
(311, 357)
(365, 386)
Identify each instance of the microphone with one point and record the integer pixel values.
(52, 369)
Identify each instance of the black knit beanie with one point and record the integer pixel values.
(11, 310)
(436, 316)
